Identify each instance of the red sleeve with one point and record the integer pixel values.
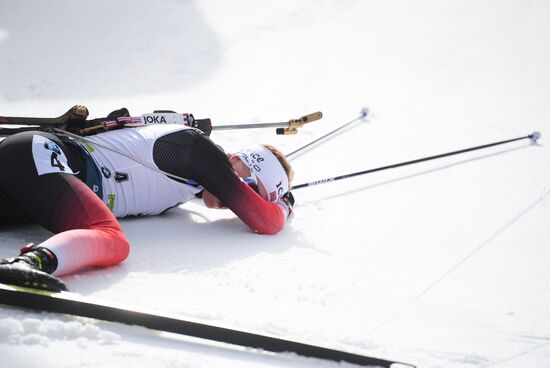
(260, 215)
(199, 159)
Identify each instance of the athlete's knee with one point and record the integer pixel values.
(118, 247)
(122, 248)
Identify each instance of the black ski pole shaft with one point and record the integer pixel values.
(364, 113)
(533, 137)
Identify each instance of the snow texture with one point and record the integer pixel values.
(440, 264)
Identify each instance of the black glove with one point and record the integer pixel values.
(87, 124)
(118, 114)
(288, 198)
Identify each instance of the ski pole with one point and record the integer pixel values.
(533, 137)
(364, 113)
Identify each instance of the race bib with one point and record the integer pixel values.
(48, 157)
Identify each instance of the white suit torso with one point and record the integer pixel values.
(129, 187)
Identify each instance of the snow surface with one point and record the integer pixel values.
(440, 264)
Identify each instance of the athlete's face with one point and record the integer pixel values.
(243, 171)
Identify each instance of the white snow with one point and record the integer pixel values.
(440, 264)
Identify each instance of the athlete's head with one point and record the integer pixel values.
(266, 167)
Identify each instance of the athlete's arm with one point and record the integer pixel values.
(260, 215)
(193, 155)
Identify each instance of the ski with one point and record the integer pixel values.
(77, 305)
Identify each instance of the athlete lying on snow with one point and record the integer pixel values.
(76, 190)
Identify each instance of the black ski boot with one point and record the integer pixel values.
(32, 269)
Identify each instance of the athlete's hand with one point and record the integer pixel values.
(288, 199)
(211, 201)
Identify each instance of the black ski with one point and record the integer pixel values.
(77, 305)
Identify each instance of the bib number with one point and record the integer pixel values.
(48, 157)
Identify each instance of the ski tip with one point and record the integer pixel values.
(364, 112)
(534, 137)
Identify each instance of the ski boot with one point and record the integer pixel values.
(32, 269)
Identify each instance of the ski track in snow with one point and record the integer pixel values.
(440, 264)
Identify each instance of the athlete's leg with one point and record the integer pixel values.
(9, 215)
(38, 179)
